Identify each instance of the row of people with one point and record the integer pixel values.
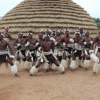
(60, 50)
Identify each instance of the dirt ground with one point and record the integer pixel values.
(78, 85)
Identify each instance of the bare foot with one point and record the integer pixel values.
(94, 73)
(16, 75)
(63, 72)
(47, 70)
(72, 70)
(30, 75)
(80, 66)
(27, 70)
(86, 69)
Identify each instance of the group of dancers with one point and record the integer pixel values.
(53, 51)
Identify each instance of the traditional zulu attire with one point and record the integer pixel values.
(68, 50)
(48, 57)
(38, 48)
(87, 47)
(77, 52)
(93, 56)
(7, 39)
(4, 55)
(21, 52)
(58, 50)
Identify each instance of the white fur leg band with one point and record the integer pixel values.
(73, 64)
(17, 63)
(46, 66)
(34, 70)
(54, 67)
(61, 68)
(79, 62)
(96, 67)
(86, 63)
(94, 58)
(14, 69)
(27, 65)
(64, 63)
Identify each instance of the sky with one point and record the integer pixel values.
(91, 6)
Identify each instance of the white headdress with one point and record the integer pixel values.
(20, 33)
(77, 32)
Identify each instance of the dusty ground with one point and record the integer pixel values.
(78, 85)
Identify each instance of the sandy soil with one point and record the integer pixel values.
(78, 85)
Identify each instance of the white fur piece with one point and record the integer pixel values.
(27, 65)
(18, 44)
(60, 53)
(64, 44)
(11, 56)
(96, 67)
(14, 69)
(39, 49)
(61, 68)
(71, 40)
(46, 66)
(55, 52)
(85, 43)
(64, 63)
(91, 42)
(73, 64)
(34, 70)
(94, 57)
(52, 39)
(96, 50)
(41, 66)
(55, 43)
(79, 62)
(17, 63)
(38, 54)
(86, 63)
(54, 67)
(28, 43)
(91, 51)
(37, 44)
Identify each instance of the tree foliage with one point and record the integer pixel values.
(97, 20)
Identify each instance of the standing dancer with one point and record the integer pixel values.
(77, 51)
(47, 56)
(67, 44)
(4, 55)
(86, 42)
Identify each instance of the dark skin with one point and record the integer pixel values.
(66, 40)
(40, 38)
(86, 39)
(46, 46)
(32, 41)
(20, 36)
(77, 38)
(22, 41)
(97, 41)
(7, 34)
(81, 30)
(3, 45)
